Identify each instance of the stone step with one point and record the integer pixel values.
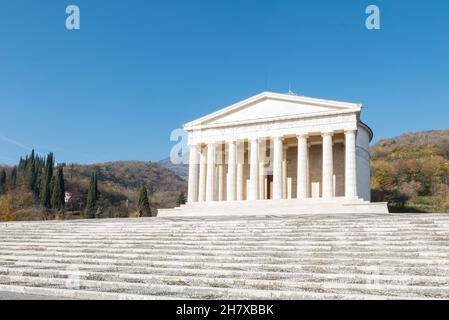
(282, 220)
(439, 250)
(285, 207)
(423, 257)
(357, 275)
(265, 229)
(303, 290)
(79, 294)
(235, 222)
(230, 265)
(251, 245)
(316, 270)
(292, 283)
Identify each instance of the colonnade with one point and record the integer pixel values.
(203, 186)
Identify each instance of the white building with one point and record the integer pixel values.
(283, 153)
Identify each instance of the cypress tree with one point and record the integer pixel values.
(13, 177)
(21, 164)
(31, 176)
(144, 204)
(58, 193)
(181, 199)
(45, 189)
(92, 196)
(2, 182)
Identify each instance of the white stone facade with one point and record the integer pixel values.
(279, 146)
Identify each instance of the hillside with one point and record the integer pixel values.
(411, 171)
(181, 170)
(118, 183)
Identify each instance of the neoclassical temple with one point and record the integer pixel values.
(281, 147)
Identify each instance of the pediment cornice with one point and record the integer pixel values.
(330, 107)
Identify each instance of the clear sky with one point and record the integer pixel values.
(136, 70)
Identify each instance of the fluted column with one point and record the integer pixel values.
(193, 175)
(202, 180)
(284, 172)
(210, 185)
(221, 173)
(261, 180)
(254, 170)
(350, 164)
(277, 168)
(303, 156)
(232, 170)
(240, 167)
(328, 171)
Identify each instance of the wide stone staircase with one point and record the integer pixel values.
(355, 256)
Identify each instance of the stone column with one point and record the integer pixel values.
(261, 180)
(221, 173)
(210, 185)
(232, 170)
(350, 164)
(254, 170)
(240, 167)
(303, 171)
(328, 171)
(193, 175)
(202, 182)
(284, 172)
(277, 168)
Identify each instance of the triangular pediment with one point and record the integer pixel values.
(268, 106)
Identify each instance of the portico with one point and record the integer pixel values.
(275, 168)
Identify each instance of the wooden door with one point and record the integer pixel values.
(270, 187)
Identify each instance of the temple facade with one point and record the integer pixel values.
(280, 147)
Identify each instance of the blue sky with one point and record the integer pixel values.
(136, 70)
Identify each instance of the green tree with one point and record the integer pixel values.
(144, 203)
(13, 177)
(46, 187)
(2, 182)
(181, 199)
(92, 196)
(58, 193)
(32, 176)
(98, 213)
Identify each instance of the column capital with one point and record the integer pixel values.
(252, 139)
(231, 141)
(302, 135)
(211, 143)
(327, 133)
(349, 131)
(278, 137)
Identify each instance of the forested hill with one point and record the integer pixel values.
(118, 184)
(411, 171)
(181, 169)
